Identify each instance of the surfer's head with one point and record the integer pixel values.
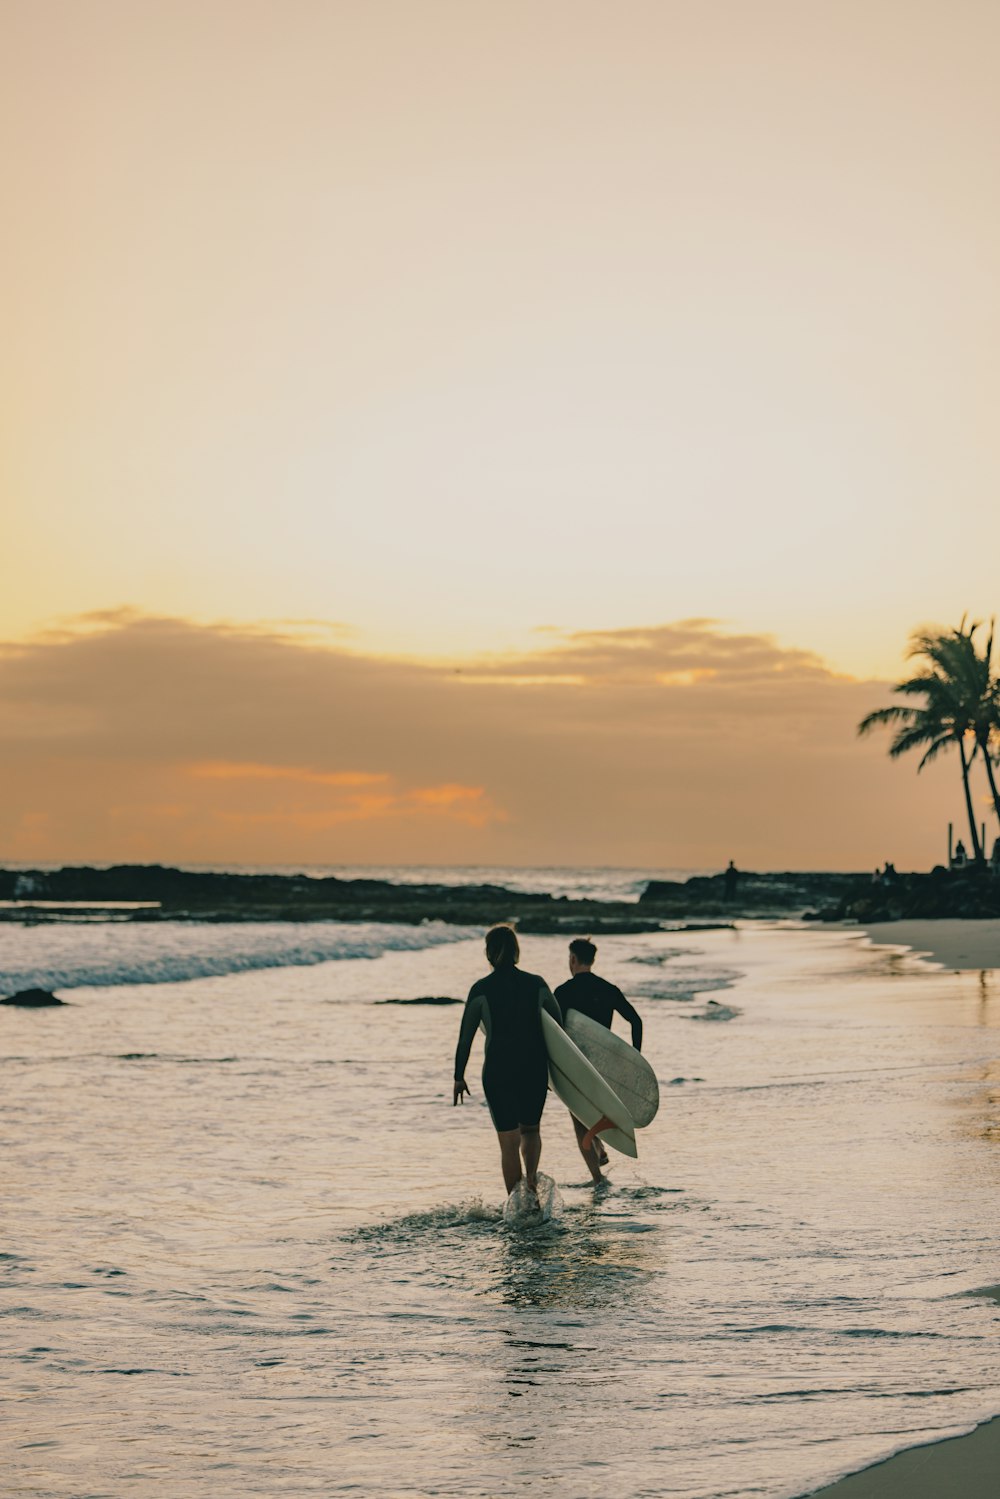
(502, 948)
(582, 953)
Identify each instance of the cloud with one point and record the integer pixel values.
(224, 771)
(676, 745)
(358, 796)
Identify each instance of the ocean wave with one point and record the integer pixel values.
(54, 958)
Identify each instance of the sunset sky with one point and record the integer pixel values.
(464, 432)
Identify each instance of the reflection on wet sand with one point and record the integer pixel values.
(981, 1106)
(584, 1260)
(552, 1352)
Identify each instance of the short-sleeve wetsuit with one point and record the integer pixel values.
(508, 1005)
(597, 998)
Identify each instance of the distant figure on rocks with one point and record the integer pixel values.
(961, 857)
(732, 879)
(508, 1005)
(595, 997)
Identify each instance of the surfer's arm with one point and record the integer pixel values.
(471, 1016)
(626, 1011)
(548, 1001)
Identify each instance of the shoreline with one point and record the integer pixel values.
(967, 1464)
(958, 944)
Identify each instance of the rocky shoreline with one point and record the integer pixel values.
(152, 892)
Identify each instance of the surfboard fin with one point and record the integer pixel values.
(603, 1123)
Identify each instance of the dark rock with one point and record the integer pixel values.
(184, 894)
(954, 893)
(658, 890)
(783, 892)
(429, 999)
(32, 999)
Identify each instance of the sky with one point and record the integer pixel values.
(428, 352)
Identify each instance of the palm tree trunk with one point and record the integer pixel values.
(992, 780)
(977, 852)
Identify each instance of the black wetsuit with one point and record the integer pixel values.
(597, 998)
(508, 1004)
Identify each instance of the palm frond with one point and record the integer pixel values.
(895, 714)
(916, 736)
(935, 749)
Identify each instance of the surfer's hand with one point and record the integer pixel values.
(461, 1086)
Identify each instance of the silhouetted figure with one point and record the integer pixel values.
(731, 879)
(961, 857)
(508, 1004)
(594, 996)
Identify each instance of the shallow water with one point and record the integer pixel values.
(251, 1249)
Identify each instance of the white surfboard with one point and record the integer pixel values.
(583, 1090)
(626, 1069)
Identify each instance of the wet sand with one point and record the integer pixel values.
(966, 1465)
(961, 1465)
(955, 944)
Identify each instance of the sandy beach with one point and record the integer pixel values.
(958, 945)
(965, 1465)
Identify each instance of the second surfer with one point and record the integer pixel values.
(595, 997)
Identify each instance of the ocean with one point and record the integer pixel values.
(250, 1247)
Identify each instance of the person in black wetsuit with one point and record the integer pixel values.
(595, 997)
(508, 1004)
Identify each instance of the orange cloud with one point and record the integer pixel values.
(671, 746)
(235, 771)
(687, 677)
(468, 804)
(359, 802)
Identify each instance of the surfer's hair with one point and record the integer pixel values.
(583, 950)
(502, 946)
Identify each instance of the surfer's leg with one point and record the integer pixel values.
(503, 1111)
(591, 1156)
(531, 1149)
(510, 1157)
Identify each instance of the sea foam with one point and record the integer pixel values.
(55, 957)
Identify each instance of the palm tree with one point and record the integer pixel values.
(956, 684)
(987, 721)
(974, 672)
